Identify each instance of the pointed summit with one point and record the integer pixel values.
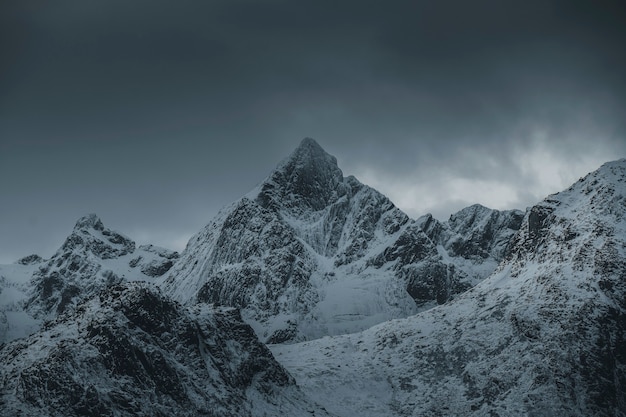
(92, 257)
(308, 179)
(90, 221)
(90, 235)
(309, 142)
(309, 150)
(309, 156)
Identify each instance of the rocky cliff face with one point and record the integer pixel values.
(308, 253)
(92, 257)
(130, 351)
(528, 317)
(278, 251)
(478, 233)
(544, 335)
(311, 253)
(472, 243)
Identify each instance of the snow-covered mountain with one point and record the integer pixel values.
(91, 258)
(128, 350)
(310, 253)
(15, 285)
(488, 313)
(544, 335)
(82, 335)
(473, 241)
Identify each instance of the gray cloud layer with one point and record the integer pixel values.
(154, 114)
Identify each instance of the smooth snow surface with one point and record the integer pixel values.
(14, 284)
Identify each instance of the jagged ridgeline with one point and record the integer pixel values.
(497, 312)
(130, 351)
(544, 335)
(91, 258)
(310, 253)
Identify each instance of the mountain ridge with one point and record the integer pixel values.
(488, 313)
(91, 258)
(545, 334)
(130, 351)
(285, 251)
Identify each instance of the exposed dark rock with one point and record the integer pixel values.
(130, 351)
(90, 234)
(412, 246)
(308, 179)
(544, 335)
(261, 253)
(76, 270)
(156, 269)
(538, 224)
(482, 232)
(283, 335)
(30, 260)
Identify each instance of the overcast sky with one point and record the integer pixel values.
(154, 114)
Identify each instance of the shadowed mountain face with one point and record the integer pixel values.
(528, 312)
(91, 258)
(309, 180)
(311, 253)
(130, 351)
(544, 335)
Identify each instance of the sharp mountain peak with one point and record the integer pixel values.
(310, 149)
(310, 155)
(89, 221)
(91, 235)
(308, 178)
(310, 254)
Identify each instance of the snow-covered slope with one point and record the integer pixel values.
(473, 241)
(310, 253)
(545, 335)
(15, 285)
(92, 257)
(130, 351)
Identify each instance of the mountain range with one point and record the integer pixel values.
(314, 295)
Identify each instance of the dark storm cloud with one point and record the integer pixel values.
(444, 59)
(156, 113)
